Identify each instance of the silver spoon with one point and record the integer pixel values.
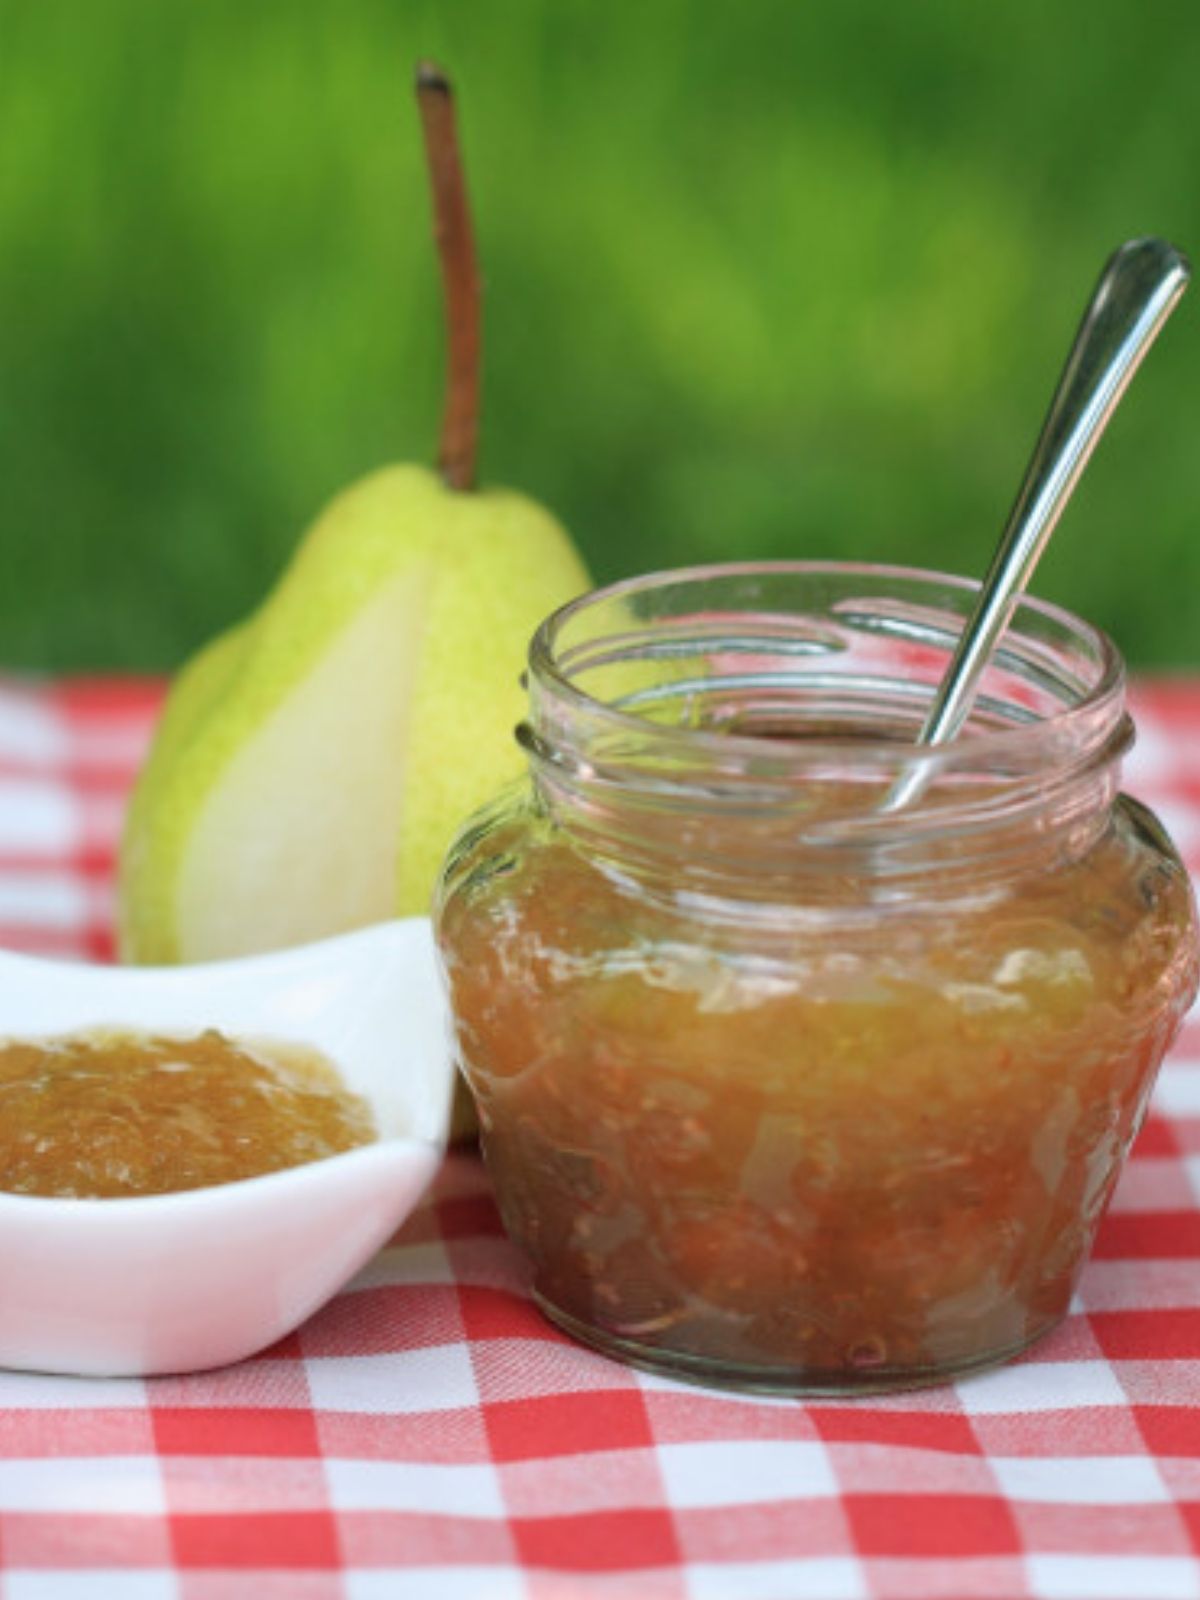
(1137, 292)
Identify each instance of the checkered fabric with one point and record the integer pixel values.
(428, 1435)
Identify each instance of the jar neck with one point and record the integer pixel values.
(736, 733)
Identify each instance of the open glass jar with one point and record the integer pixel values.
(779, 1087)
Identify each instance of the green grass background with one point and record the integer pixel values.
(768, 279)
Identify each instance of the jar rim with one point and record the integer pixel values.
(1105, 693)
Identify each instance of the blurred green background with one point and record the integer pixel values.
(773, 279)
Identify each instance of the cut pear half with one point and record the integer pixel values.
(297, 838)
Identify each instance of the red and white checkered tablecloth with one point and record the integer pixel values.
(428, 1435)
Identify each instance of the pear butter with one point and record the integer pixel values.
(106, 1114)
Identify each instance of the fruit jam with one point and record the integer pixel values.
(106, 1115)
(855, 1157)
(778, 1091)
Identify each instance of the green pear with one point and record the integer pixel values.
(312, 764)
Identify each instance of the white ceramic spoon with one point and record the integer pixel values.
(180, 1282)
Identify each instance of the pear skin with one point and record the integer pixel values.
(312, 765)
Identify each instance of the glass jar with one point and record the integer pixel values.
(783, 1086)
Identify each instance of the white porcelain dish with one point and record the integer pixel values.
(181, 1282)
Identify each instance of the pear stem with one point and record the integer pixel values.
(460, 277)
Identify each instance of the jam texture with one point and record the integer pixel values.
(836, 1153)
(104, 1115)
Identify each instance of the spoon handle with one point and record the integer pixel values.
(1136, 293)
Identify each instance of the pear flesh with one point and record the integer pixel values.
(312, 765)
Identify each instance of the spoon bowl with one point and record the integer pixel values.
(186, 1281)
